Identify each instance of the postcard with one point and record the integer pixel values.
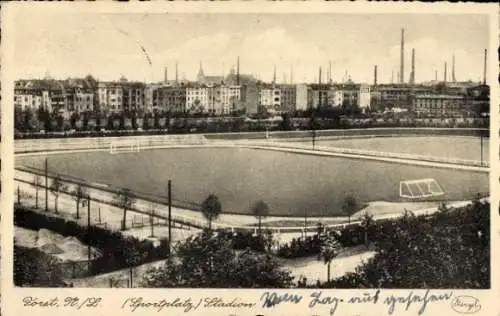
(252, 158)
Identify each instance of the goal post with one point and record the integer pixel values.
(420, 188)
(116, 147)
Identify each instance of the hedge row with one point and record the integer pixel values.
(117, 251)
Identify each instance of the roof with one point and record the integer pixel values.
(438, 96)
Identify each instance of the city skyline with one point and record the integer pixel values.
(139, 47)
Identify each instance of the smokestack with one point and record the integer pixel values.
(274, 75)
(392, 76)
(485, 65)
(453, 69)
(412, 74)
(238, 71)
(319, 78)
(291, 74)
(375, 75)
(445, 71)
(435, 74)
(402, 65)
(165, 75)
(176, 72)
(330, 72)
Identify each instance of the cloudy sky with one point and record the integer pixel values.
(109, 46)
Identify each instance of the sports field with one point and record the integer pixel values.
(438, 146)
(290, 184)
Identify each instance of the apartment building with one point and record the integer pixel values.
(288, 98)
(438, 104)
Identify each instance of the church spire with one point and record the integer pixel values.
(201, 75)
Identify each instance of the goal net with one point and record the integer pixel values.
(421, 188)
(124, 147)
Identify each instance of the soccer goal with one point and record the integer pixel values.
(124, 147)
(421, 188)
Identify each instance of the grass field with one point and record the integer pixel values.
(456, 147)
(290, 184)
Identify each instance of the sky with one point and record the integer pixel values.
(109, 46)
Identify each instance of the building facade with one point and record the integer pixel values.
(170, 99)
(288, 98)
(302, 94)
(438, 104)
(198, 98)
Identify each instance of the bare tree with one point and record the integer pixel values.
(56, 188)
(37, 183)
(79, 194)
(125, 200)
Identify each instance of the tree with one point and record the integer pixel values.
(286, 123)
(330, 248)
(56, 188)
(132, 257)
(79, 194)
(211, 209)
(260, 210)
(444, 250)
(35, 268)
(367, 222)
(60, 123)
(37, 183)
(207, 260)
(125, 200)
(349, 206)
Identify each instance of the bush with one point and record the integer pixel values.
(207, 261)
(450, 249)
(34, 268)
(116, 249)
(243, 239)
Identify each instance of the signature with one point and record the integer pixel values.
(465, 304)
(272, 298)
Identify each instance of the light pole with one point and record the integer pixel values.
(481, 135)
(46, 185)
(169, 215)
(88, 231)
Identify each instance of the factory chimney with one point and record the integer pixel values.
(291, 74)
(330, 72)
(238, 71)
(435, 75)
(402, 61)
(445, 71)
(375, 75)
(165, 75)
(412, 74)
(485, 65)
(319, 79)
(274, 75)
(453, 69)
(176, 72)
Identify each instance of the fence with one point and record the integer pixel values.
(104, 143)
(373, 153)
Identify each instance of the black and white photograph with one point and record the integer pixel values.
(251, 150)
